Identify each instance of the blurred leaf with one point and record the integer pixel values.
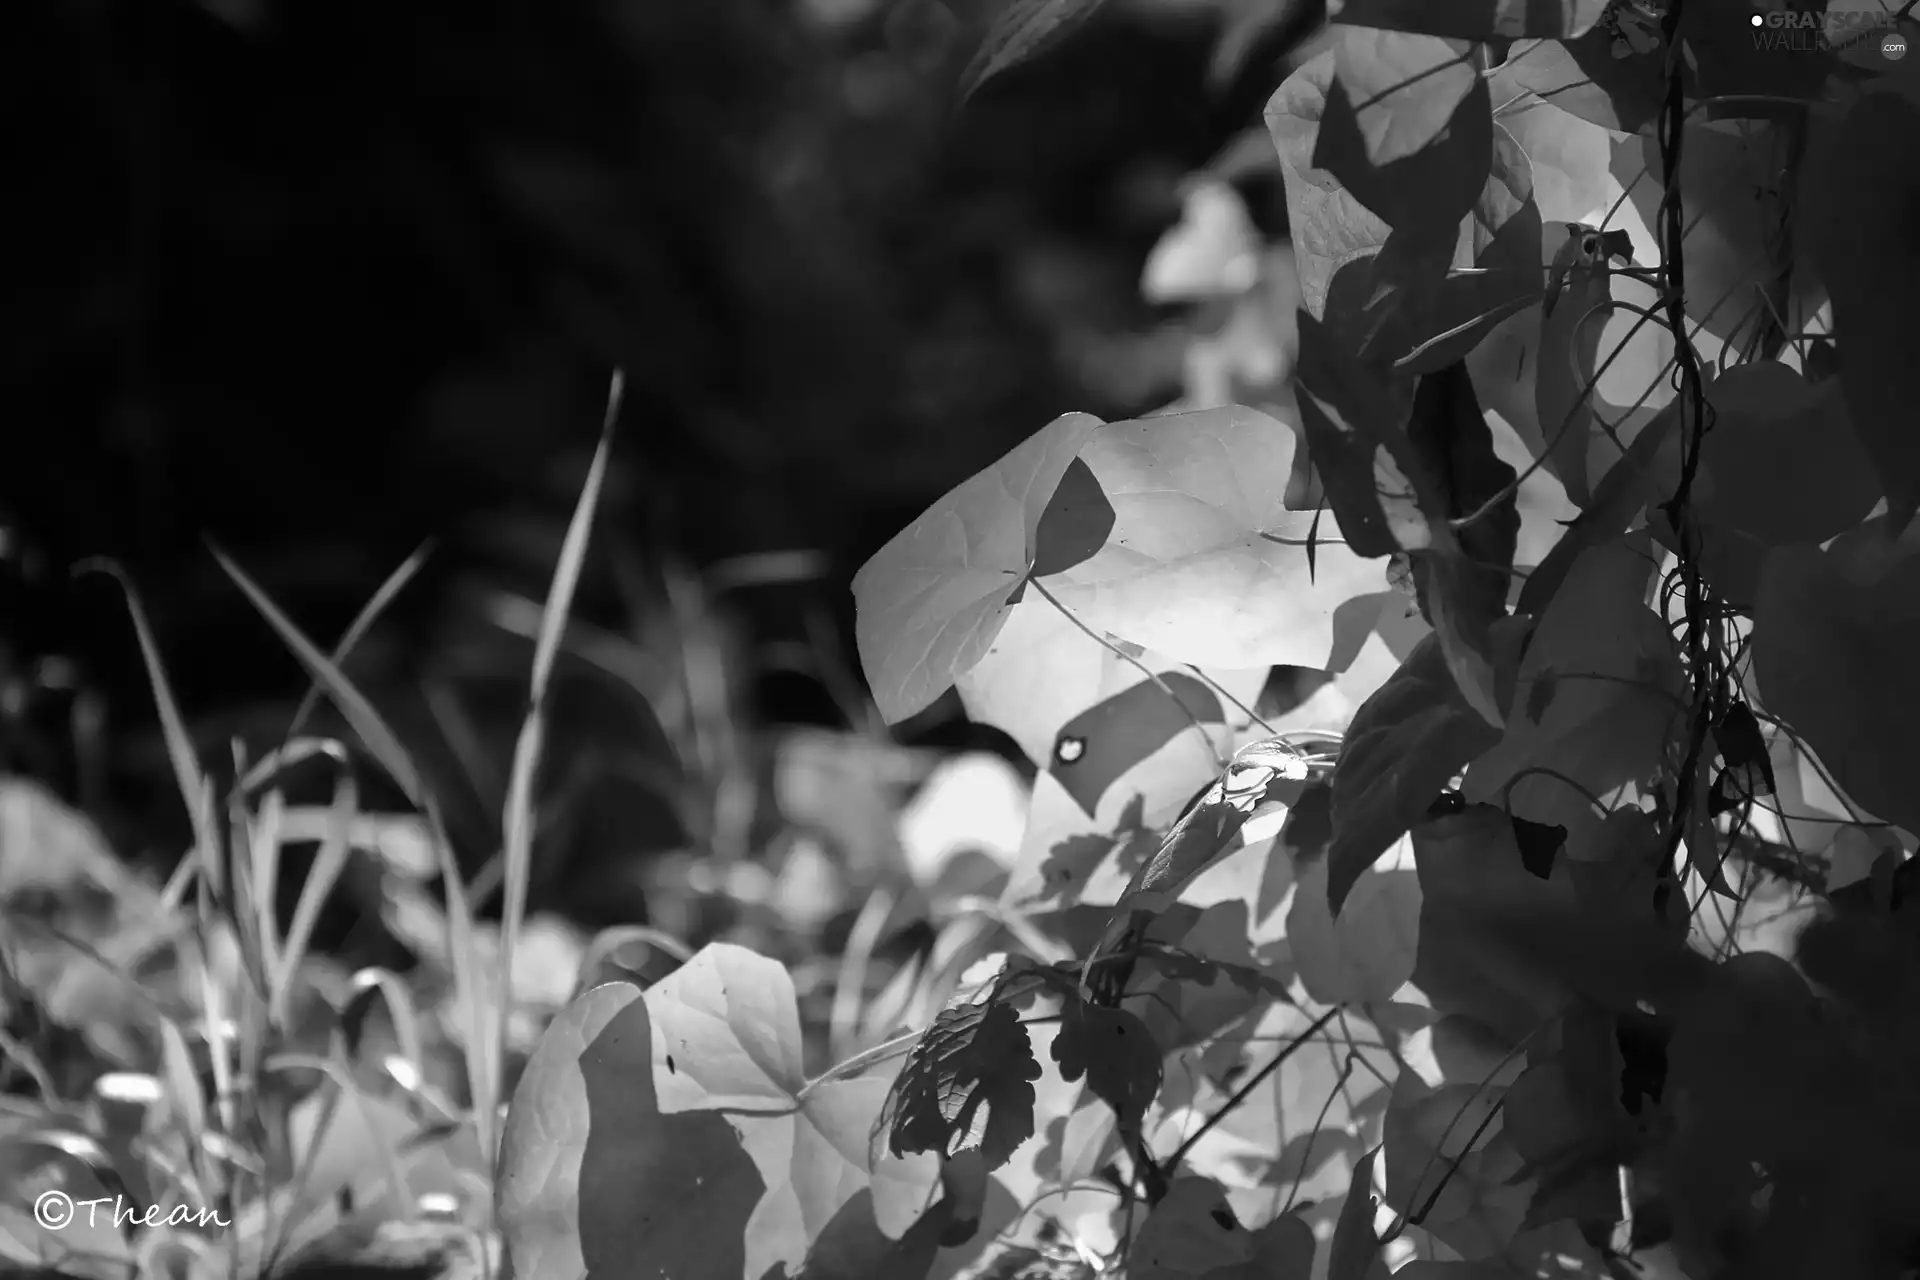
(1855, 211)
(1191, 1233)
(1021, 30)
(1214, 250)
(1829, 658)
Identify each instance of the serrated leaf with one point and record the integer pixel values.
(1856, 216)
(1021, 30)
(931, 601)
(1473, 19)
(1407, 128)
(1202, 566)
(967, 1083)
(1597, 701)
(1405, 744)
(1831, 658)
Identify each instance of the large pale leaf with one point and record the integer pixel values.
(1408, 127)
(1204, 563)
(932, 600)
(640, 1110)
(1046, 681)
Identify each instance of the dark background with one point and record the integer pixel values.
(319, 280)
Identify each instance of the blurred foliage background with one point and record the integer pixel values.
(322, 280)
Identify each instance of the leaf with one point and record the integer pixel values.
(1366, 955)
(1739, 75)
(1405, 744)
(1262, 772)
(1473, 19)
(1191, 1233)
(1355, 1250)
(1833, 658)
(1597, 701)
(1781, 465)
(1448, 1163)
(1202, 566)
(1462, 579)
(1116, 1053)
(1510, 951)
(726, 1035)
(1354, 418)
(594, 1178)
(1570, 157)
(1856, 213)
(1414, 300)
(1212, 252)
(966, 1084)
(1408, 127)
(931, 601)
(1582, 76)
(1048, 683)
(1021, 30)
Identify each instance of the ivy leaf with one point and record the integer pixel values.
(1202, 566)
(1856, 212)
(1832, 656)
(1780, 466)
(1473, 19)
(1354, 1253)
(1413, 300)
(1582, 76)
(1570, 157)
(1021, 30)
(967, 1084)
(1082, 709)
(1366, 955)
(613, 1139)
(1597, 700)
(1118, 1056)
(931, 601)
(1447, 1157)
(1405, 744)
(1191, 1233)
(1407, 128)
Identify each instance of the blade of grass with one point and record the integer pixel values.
(328, 863)
(187, 774)
(379, 739)
(357, 630)
(518, 820)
